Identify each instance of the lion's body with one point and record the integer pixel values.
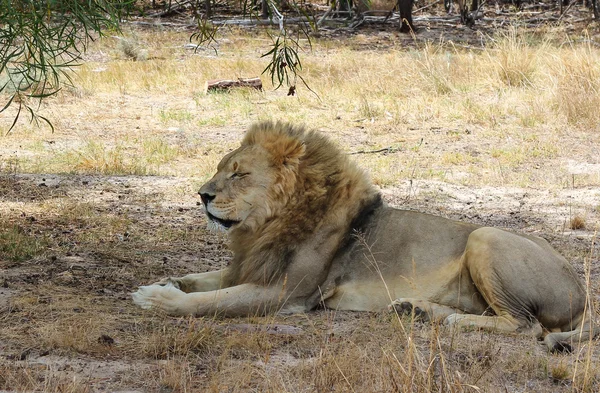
(308, 228)
(465, 267)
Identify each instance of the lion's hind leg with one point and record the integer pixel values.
(523, 281)
(505, 323)
(560, 341)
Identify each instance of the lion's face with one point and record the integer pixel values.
(240, 188)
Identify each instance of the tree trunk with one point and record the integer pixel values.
(448, 5)
(344, 5)
(464, 14)
(406, 22)
(474, 5)
(208, 8)
(265, 9)
(466, 18)
(596, 8)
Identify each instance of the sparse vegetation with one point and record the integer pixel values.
(577, 222)
(18, 244)
(489, 136)
(560, 373)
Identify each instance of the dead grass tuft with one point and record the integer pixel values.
(514, 58)
(19, 377)
(577, 222)
(99, 158)
(578, 87)
(436, 69)
(131, 49)
(560, 373)
(189, 337)
(17, 243)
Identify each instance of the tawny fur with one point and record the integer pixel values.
(307, 227)
(316, 177)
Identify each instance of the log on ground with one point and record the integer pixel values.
(226, 84)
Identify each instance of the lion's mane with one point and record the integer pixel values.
(317, 189)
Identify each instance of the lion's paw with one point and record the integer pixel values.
(173, 281)
(163, 297)
(404, 307)
(454, 319)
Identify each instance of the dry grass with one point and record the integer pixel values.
(577, 222)
(515, 60)
(520, 114)
(18, 244)
(577, 89)
(516, 89)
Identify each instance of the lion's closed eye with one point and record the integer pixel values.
(239, 175)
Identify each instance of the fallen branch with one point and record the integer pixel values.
(226, 84)
(254, 22)
(325, 15)
(436, 19)
(161, 24)
(565, 12)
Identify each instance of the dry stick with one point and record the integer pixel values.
(565, 12)
(469, 47)
(588, 41)
(480, 8)
(325, 15)
(253, 22)
(388, 149)
(277, 17)
(160, 24)
(436, 19)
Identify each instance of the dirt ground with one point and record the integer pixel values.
(75, 243)
(47, 297)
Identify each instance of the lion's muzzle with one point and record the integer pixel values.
(206, 197)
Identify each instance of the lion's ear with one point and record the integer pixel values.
(288, 152)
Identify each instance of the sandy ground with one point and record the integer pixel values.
(66, 319)
(152, 203)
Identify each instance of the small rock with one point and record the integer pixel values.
(106, 340)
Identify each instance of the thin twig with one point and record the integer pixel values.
(255, 22)
(565, 13)
(277, 17)
(386, 150)
(325, 15)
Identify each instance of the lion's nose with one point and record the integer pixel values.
(206, 197)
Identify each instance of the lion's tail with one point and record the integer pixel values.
(559, 342)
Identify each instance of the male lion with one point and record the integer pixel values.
(307, 227)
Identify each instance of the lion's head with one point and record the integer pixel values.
(281, 185)
(256, 179)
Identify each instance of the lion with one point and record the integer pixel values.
(308, 228)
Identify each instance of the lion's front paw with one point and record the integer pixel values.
(166, 297)
(454, 319)
(173, 281)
